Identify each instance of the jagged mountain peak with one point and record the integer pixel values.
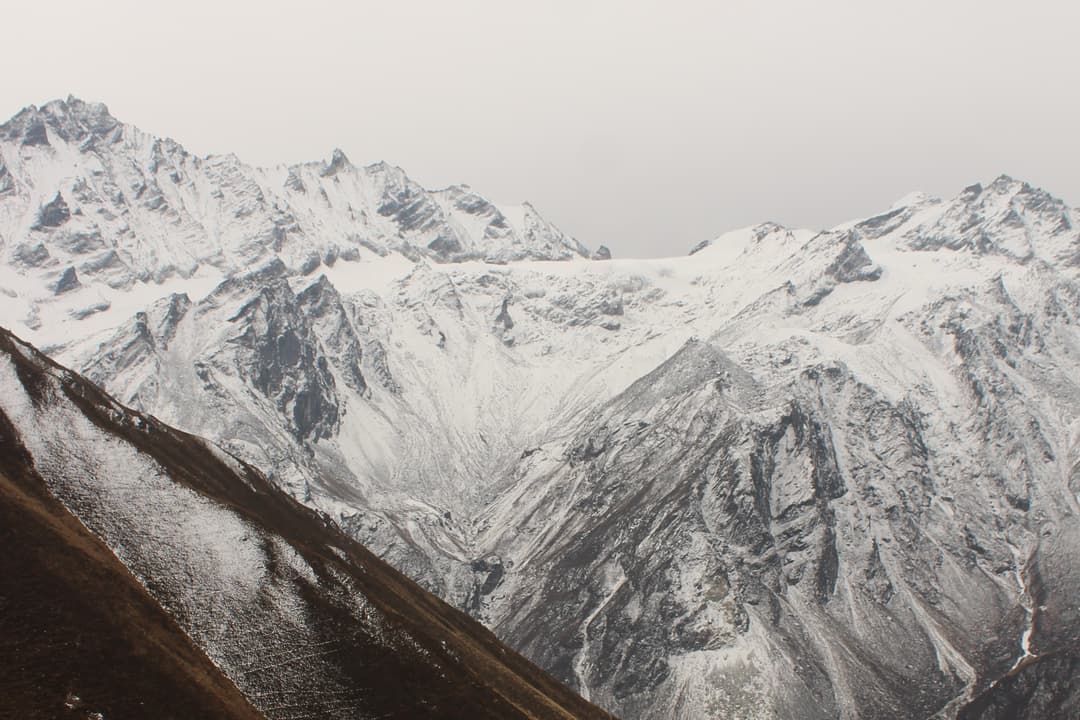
(1002, 185)
(124, 208)
(70, 120)
(27, 126)
(1004, 181)
(73, 109)
(1005, 186)
(338, 162)
(1007, 217)
(389, 173)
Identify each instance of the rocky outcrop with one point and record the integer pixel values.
(7, 182)
(68, 281)
(54, 213)
(852, 264)
(276, 350)
(322, 306)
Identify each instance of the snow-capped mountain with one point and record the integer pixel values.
(150, 574)
(793, 474)
(85, 199)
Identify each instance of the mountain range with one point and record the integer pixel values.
(795, 473)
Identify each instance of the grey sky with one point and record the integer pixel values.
(646, 126)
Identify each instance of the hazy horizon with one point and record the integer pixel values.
(639, 126)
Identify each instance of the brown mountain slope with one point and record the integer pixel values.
(303, 621)
(78, 634)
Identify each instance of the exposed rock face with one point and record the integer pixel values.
(27, 129)
(30, 256)
(68, 281)
(504, 323)
(853, 264)
(337, 327)
(338, 163)
(7, 182)
(1046, 688)
(277, 349)
(54, 213)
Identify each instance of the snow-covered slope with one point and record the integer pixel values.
(201, 558)
(794, 474)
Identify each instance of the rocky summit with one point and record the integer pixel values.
(794, 474)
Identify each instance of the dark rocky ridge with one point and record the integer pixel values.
(78, 633)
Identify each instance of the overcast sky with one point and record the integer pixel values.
(645, 126)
